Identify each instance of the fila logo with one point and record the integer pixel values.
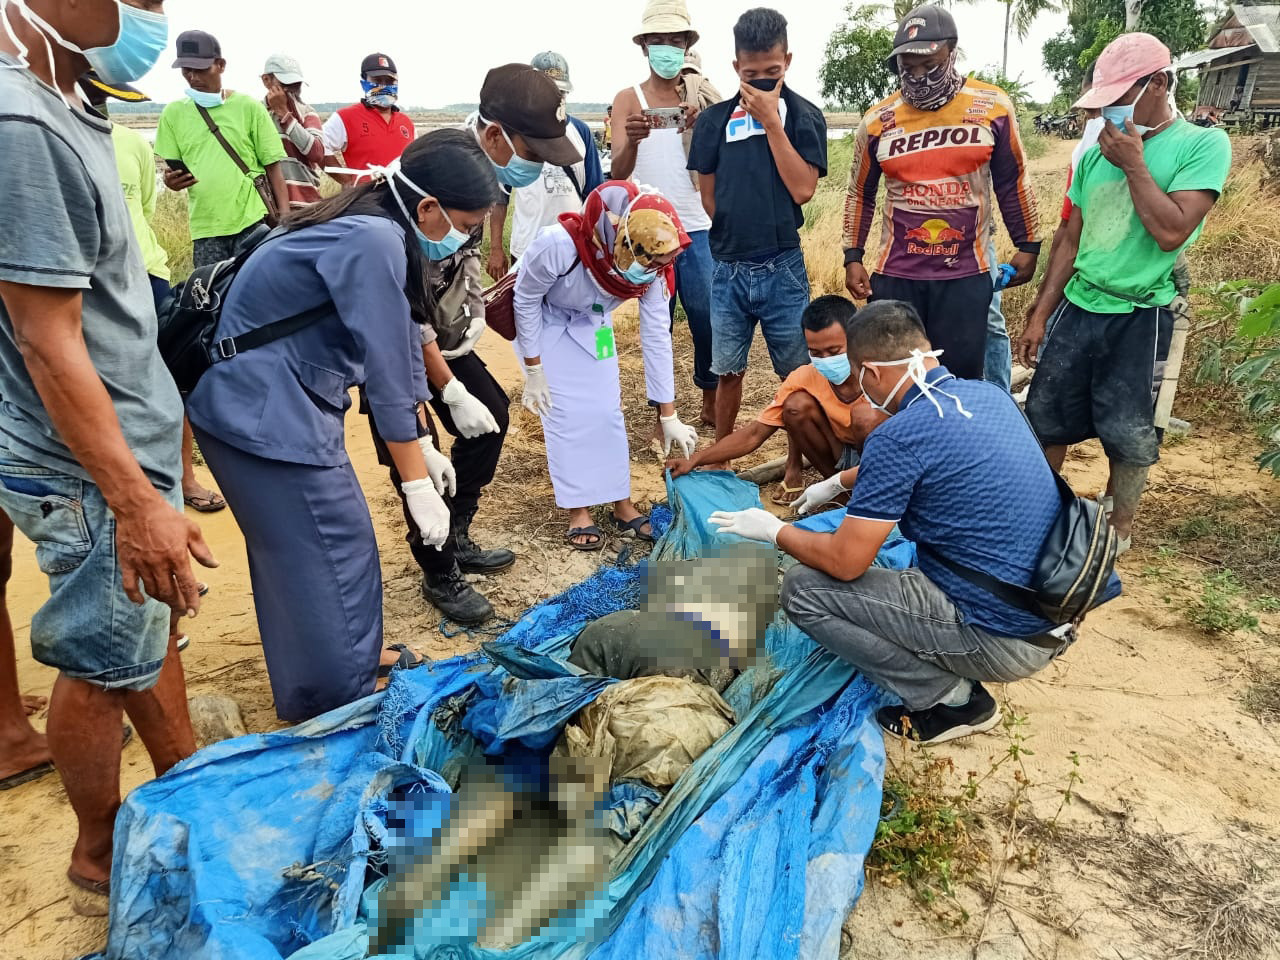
(742, 126)
(962, 136)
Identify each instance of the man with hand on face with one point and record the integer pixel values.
(1137, 201)
(819, 405)
(943, 143)
(758, 157)
(927, 633)
(372, 132)
(91, 424)
(300, 129)
(660, 158)
(223, 204)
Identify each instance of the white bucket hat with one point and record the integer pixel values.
(666, 16)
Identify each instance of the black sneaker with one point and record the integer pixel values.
(471, 558)
(941, 723)
(455, 598)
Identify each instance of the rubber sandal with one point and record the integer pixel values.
(27, 776)
(210, 504)
(90, 898)
(406, 661)
(591, 531)
(202, 588)
(183, 642)
(781, 490)
(633, 525)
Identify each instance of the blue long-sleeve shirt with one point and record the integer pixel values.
(286, 399)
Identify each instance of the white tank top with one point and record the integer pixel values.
(661, 163)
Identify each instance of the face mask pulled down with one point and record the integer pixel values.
(934, 89)
(915, 372)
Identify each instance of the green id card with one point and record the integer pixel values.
(604, 343)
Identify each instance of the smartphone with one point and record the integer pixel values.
(178, 166)
(666, 118)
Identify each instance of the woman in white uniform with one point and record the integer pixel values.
(571, 279)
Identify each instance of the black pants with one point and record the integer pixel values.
(474, 460)
(954, 313)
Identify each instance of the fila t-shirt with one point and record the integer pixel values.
(755, 215)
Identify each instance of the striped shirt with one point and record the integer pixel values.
(304, 153)
(940, 169)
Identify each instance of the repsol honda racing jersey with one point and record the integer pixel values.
(940, 168)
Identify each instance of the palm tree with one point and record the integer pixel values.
(1021, 14)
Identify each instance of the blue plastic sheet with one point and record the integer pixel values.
(259, 848)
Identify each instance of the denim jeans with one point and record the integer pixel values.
(87, 629)
(772, 293)
(693, 286)
(903, 633)
(999, 362)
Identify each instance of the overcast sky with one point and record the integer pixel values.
(444, 49)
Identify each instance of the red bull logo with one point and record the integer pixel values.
(935, 237)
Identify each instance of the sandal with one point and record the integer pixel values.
(633, 525)
(406, 661)
(594, 532)
(781, 491)
(206, 504)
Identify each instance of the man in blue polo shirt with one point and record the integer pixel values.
(958, 469)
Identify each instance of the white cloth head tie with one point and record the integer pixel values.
(916, 373)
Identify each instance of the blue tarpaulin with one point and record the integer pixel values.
(260, 848)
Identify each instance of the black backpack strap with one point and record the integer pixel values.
(228, 347)
(568, 172)
(1015, 596)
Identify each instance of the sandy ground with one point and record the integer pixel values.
(1148, 703)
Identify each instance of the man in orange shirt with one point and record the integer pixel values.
(819, 405)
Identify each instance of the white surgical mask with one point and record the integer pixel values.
(916, 373)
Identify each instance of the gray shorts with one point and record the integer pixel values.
(87, 629)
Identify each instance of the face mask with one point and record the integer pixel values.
(386, 96)
(637, 274)
(666, 61)
(935, 89)
(202, 98)
(434, 249)
(518, 172)
(916, 374)
(1118, 114)
(836, 369)
(767, 84)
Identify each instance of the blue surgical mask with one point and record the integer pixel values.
(1119, 113)
(386, 96)
(667, 61)
(518, 172)
(836, 369)
(637, 274)
(143, 36)
(202, 98)
(441, 249)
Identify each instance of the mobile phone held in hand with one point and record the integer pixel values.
(177, 166)
(666, 118)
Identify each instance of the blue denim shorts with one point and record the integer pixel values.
(87, 629)
(774, 294)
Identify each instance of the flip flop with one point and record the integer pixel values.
(210, 504)
(591, 531)
(406, 661)
(780, 492)
(91, 898)
(44, 769)
(633, 525)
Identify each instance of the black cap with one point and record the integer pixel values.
(197, 50)
(378, 63)
(528, 102)
(924, 30)
(98, 90)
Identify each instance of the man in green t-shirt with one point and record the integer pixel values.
(222, 201)
(1139, 199)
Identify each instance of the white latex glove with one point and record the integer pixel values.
(470, 416)
(428, 510)
(438, 466)
(754, 524)
(474, 330)
(537, 395)
(819, 494)
(680, 434)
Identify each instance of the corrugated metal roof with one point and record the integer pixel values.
(1199, 57)
(1262, 20)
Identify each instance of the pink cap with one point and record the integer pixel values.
(1127, 59)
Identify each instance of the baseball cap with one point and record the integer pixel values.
(1125, 60)
(378, 63)
(285, 68)
(554, 66)
(924, 30)
(95, 87)
(528, 102)
(197, 50)
(692, 62)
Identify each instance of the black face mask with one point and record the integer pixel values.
(764, 83)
